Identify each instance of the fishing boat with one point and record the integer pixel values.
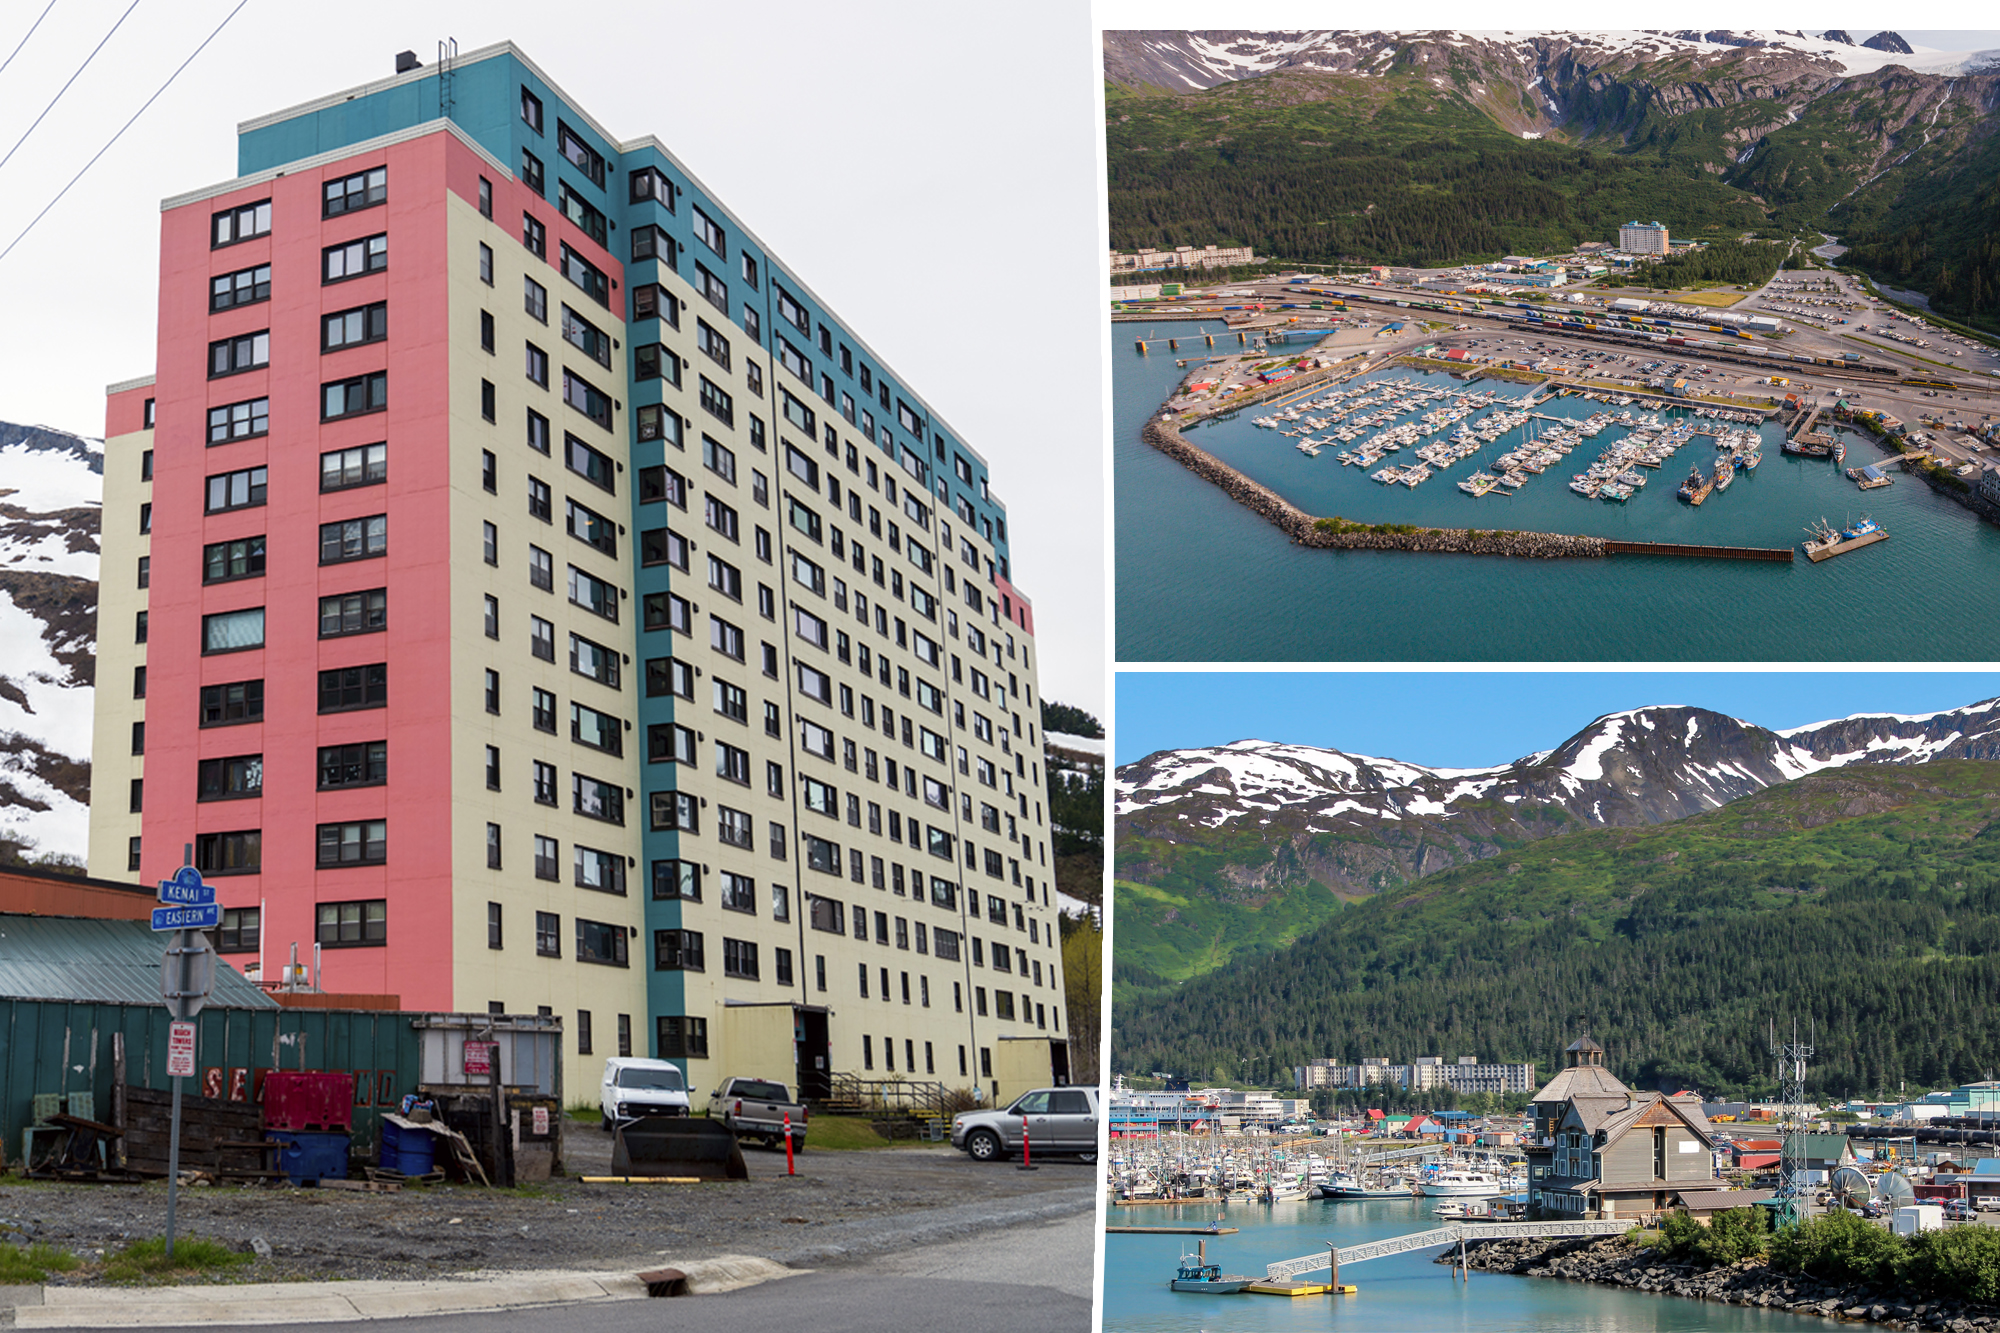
(1205, 1278)
(1839, 451)
(1725, 472)
(1344, 1185)
(1696, 488)
(1823, 540)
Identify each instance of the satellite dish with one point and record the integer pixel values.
(1851, 1187)
(1895, 1189)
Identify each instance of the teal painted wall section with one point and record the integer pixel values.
(51, 1047)
(484, 103)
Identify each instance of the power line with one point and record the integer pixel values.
(72, 79)
(25, 36)
(126, 126)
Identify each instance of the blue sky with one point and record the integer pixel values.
(1465, 719)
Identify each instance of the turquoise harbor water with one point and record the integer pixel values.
(1200, 578)
(1403, 1294)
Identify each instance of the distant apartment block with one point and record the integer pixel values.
(1468, 1073)
(1643, 238)
(1182, 256)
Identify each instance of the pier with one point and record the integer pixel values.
(1206, 1229)
(1781, 554)
(1289, 1269)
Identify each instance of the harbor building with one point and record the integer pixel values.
(1597, 1149)
(1182, 256)
(1643, 238)
(524, 593)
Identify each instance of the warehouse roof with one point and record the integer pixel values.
(104, 962)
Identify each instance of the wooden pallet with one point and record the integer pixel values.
(361, 1186)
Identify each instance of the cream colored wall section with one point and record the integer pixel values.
(757, 1040)
(517, 974)
(113, 766)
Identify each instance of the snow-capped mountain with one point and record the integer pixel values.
(1190, 60)
(1355, 822)
(51, 490)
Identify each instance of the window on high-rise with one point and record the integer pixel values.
(370, 254)
(580, 154)
(240, 223)
(363, 189)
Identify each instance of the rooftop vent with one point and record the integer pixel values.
(407, 61)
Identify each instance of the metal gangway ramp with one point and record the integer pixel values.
(1288, 1269)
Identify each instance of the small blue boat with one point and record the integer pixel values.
(1205, 1278)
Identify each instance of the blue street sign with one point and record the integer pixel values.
(186, 889)
(206, 917)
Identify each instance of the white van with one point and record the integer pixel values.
(634, 1087)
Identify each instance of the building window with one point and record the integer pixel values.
(239, 421)
(548, 852)
(227, 705)
(232, 356)
(602, 871)
(588, 219)
(537, 366)
(345, 688)
(490, 543)
(236, 490)
(544, 714)
(675, 811)
(354, 539)
(139, 737)
(591, 528)
(739, 959)
(230, 779)
(651, 361)
(586, 276)
(652, 183)
(545, 783)
(363, 765)
(354, 613)
(595, 799)
(682, 1038)
(492, 846)
(593, 594)
(351, 328)
(739, 893)
(534, 234)
(362, 466)
(354, 397)
(223, 561)
(495, 938)
(353, 925)
(241, 930)
(364, 189)
(485, 198)
(240, 223)
(485, 250)
(232, 631)
(356, 842)
(370, 254)
(717, 403)
(599, 731)
(244, 287)
(677, 880)
(229, 853)
(540, 500)
(587, 399)
(652, 301)
(586, 337)
(531, 111)
(487, 334)
(600, 942)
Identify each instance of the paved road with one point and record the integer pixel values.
(1036, 1276)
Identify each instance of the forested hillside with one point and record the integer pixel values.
(1866, 902)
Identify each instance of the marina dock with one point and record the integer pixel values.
(1204, 1230)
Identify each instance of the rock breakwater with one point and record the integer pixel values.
(1620, 1262)
(1332, 534)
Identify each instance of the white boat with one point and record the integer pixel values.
(1459, 1184)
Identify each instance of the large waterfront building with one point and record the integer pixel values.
(1597, 1149)
(1468, 1073)
(520, 585)
(1642, 238)
(1182, 256)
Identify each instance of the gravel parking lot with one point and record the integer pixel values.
(841, 1206)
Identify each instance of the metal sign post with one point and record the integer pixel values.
(187, 974)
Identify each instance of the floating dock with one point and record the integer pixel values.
(1173, 1231)
(1299, 1289)
(1842, 548)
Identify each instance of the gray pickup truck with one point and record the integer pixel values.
(755, 1108)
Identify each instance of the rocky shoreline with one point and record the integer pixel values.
(1616, 1261)
(1305, 530)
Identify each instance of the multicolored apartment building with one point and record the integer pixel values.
(534, 596)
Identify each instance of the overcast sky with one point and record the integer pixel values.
(1475, 718)
(899, 157)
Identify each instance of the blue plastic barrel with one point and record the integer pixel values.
(410, 1151)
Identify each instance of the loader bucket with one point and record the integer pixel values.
(673, 1146)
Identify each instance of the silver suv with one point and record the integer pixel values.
(1059, 1120)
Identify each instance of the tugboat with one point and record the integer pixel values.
(1205, 1278)
(1696, 488)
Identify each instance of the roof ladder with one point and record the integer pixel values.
(447, 62)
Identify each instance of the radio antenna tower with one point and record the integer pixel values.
(1792, 1057)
